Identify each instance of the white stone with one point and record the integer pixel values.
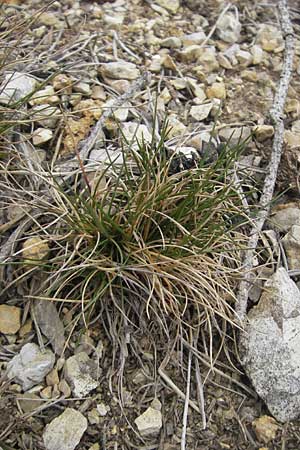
(135, 133)
(80, 373)
(194, 38)
(44, 96)
(269, 38)
(120, 114)
(175, 127)
(16, 86)
(120, 70)
(83, 88)
(171, 42)
(284, 219)
(270, 347)
(150, 422)
(42, 135)
(235, 135)
(291, 243)
(65, 431)
(257, 54)
(169, 5)
(10, 319)
(30, 366)
(45, 115)
(229, 28)
(200, 112)
(114, 20)
(244, 58)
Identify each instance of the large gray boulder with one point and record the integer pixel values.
(270, 347)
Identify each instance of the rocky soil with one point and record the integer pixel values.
(212, 69)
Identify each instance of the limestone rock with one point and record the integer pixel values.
(265, 428)
(200, 112)
(150, 422)
(65, 431)
(120, 70)
(263, 132)
(41, 135)
(44, 96)
(175, 127)
(270, 347)
(257, 54)
(229, 28)
(235, 135)
(10, 319)
(292, 139)
(29, 402)
(136, 133)
(30, 366)
(193, 39)
(82, 87)
(171, 42)
(270, 38)
(282, 220)
(291, 243)
(80, 373)
(170, 5)
(216, 90)
(35, 249)
(45, 115)
(16, 86)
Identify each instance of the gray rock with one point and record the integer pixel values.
(45, 115)
(229, 28)
(171, 42)
(120, 70)
(80, 373)
(30, 366)
(16, 86)
(194, 38)
(65, 431)
(150, 422)
(200, 112)
(291, 243)
(136, 133)
(50, 324)
(235, 135)
(270, 347)
(283, 220)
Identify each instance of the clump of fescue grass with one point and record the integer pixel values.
(161, 245)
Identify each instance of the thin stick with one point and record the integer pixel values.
(200, 393)
(173, 386)
(276, 114)
(186, 403)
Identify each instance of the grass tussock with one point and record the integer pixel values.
(153, 243)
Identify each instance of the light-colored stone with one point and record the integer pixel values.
(52, 378)
(191, 53)
(82, 87)
(216, 90)
(169, 63)
(115, 20)
(45, 96)
(244, 58)
(94, 416)
(150, 422)
(135, 133)
(270, 347)
(257, 54)
(175, 127)
(98, 93)
(200, 112)
(65, 431)
(265, 428)
(102, 409)
(282, 220)
(16, 86)
(196, 89)
(171, 42)
(292, 105)
(292, 139)
(41, 135)
(291, 243)
(120, 114)
(229, 28)
(170, 5)
(193, 39)
(270, 38)
(62, 83)
(64, 388)
(80, 373)
(207, 60)
(50, 20)
(35, 249)
(249, 75)
(26, 328)
(30, 366)
(10, 319)
(235, 135)
(263, 132)
(46, 393)
(120, 70)
(45, 115)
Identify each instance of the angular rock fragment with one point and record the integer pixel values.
(120, 70)
(65, 431)
(150, 422)
(50, 324)
(30, 366)
(16, 86)
(10, 319)
(229, 28)
(270, 347)
(80, 373)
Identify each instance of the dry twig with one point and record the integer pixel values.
(276, 114)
